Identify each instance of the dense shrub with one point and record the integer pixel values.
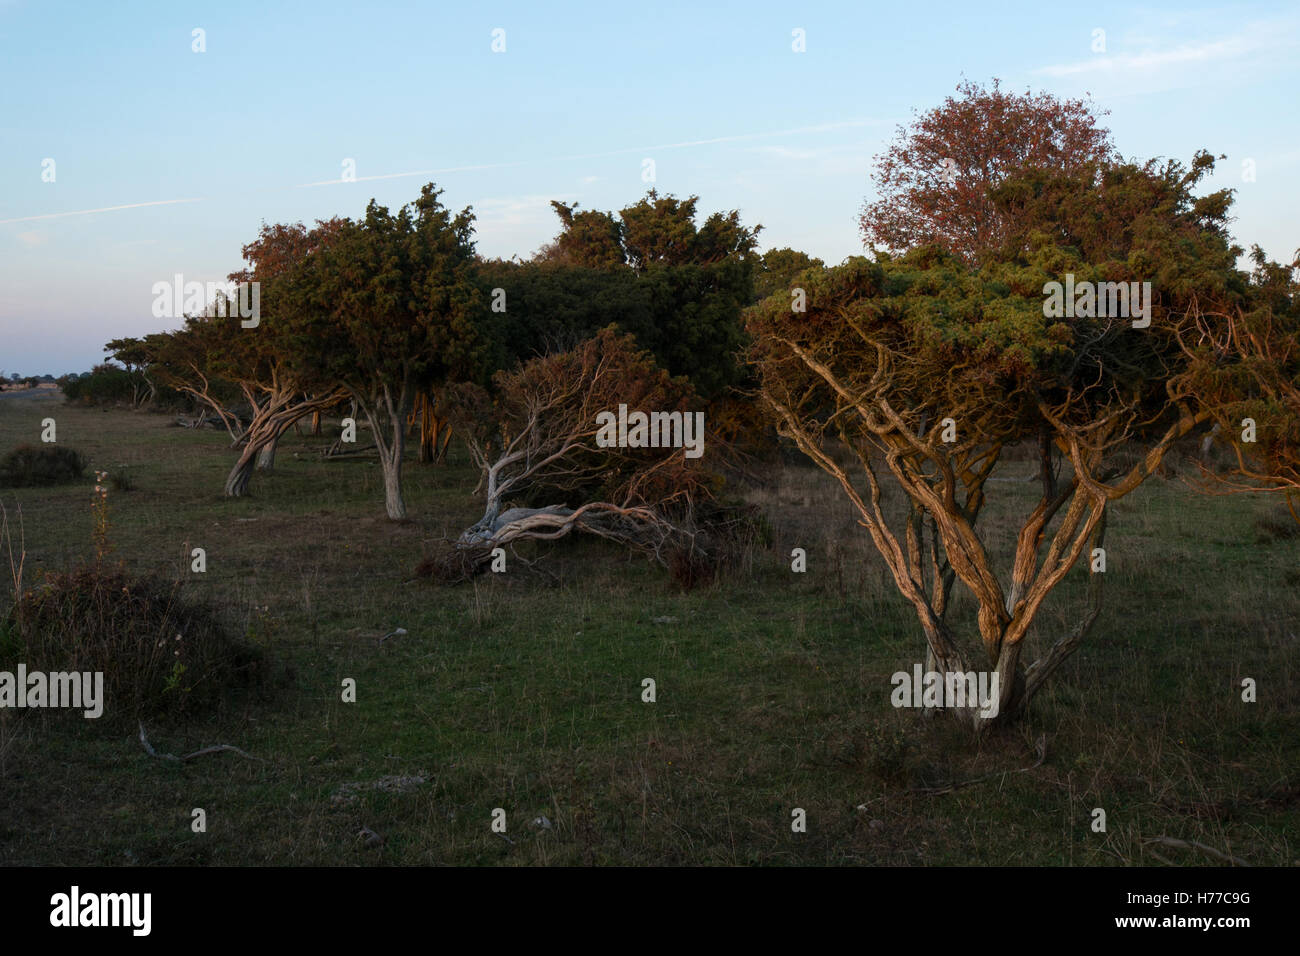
(106, 385)
(29, 466)
(110, 385)
(158, 651)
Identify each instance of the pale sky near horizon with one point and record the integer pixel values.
(167, 160)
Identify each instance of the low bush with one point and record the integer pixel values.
(159, 652)
(30, 466)
(106, 385)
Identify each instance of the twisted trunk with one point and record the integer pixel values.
(382, 408)
(263, 437)
(266, 457)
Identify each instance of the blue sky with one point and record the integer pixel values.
(202, 147)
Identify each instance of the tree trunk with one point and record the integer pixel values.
(263, 436)
(390, 460)
(1011, 687)
(426, 445)
(266, 457)
(237, 480)
(390, 449)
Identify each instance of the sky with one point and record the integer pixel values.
(129, 155)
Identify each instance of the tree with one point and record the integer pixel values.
(660, 230)
(266, 361)
(677, 287)
(190, 360)
(933, 182)
(539, 440)
(551, 306)
(391, 310)
(218, 362)
(778, 269)
(134, 354)
(1244, 370)
(926, 370)
(592, 240)
(435, 428)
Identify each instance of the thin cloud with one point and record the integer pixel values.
(684, 144)
(1254, 39)
(89, 212)
(1191, 53)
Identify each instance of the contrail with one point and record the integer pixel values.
(87, 212)
(824, 127)
(738, 137)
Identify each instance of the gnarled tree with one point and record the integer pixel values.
(191, 361)
(266, 361)
(927, 370)
(1244, 370)
(391, 312)
(538, 440)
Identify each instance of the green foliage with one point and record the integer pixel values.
(974, 343)
(31, 466)
(390, 302)
(779, 269)
(591, 240)
(699, 330)
(1245, 364)
(107, 384)
(649, 271)
(132, 353)
(553, 306)
(927, 368)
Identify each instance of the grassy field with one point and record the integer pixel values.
(523, 690)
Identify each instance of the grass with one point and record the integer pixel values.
(523, 690)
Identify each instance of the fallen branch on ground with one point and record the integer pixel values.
(218, 748)
(337, 450)
(1193, 845)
